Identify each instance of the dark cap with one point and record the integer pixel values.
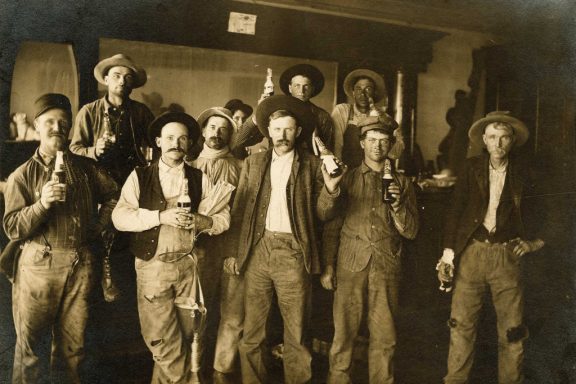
(51, 101)
(155, 127)
(382, 123)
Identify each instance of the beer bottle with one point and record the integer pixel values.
(269, 85)
(59, 174)
(328, 158)
(184, 202)
(108, 134)
(373, 110)
(387, 179)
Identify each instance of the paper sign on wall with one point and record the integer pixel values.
(242, 23)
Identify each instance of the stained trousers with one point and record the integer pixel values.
(487, 266)
(50, 306)
(378, 291)
(276, 264)
(166, 328)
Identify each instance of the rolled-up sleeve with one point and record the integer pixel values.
(127, 215)
(220, 219)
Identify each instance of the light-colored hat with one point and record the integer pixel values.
(477, 129)
(216, 111)
(380, 91)
(120, 60)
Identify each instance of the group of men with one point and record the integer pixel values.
(265, 238)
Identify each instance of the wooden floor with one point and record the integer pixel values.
(118, 355)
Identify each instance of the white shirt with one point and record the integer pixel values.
(129, 217)
(496, 185)
(278, 217)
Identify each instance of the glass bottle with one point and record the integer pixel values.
(387, 179)
(269, 84)
(59, 174)
(108, 134)
(328, 158)
(184, 202)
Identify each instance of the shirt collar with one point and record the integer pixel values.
(108, 105)
(286, 157)
(492, 169)
(165, 168)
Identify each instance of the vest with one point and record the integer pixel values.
(143, 244)
(262, 208)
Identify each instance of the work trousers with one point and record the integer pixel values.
(485, 266)
(377, 291)
(50, 306)
(276, 264)
(166, 328)
(231, 322)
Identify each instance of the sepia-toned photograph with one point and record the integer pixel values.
(288, 192)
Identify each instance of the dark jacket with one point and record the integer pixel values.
(470, 203)
(306, 196)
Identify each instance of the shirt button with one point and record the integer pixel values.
(153, 240)
(371, 244)
(161, 202)
(258, 234)
(373, 208)
(373, 226)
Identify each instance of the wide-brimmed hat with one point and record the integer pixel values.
(382, 123)
(380, 91)
(120, 60)
(155, 127)
(51, 101)
(477, 129)
(216, 111)
(306, 70)
(238, 105)
(296, 106)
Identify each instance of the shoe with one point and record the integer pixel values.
(220, 378)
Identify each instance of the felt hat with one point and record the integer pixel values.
(311, 72)
(155, 127)
(51, 101)
(477, 129)
(120, 60)
(237, 104)
(216, 111)
(300, 109)
(380, 91)
(382, 123)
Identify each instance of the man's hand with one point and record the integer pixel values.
(202, 222)
(445, 268)
(328, 278)
(263, 97)
(521, 247)
(394, 190)
(52, 192)
(231, 266)
(102, 145)
(330, 182)
(177, 218)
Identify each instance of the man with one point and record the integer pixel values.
(369, 256)
(364, 87)
(111, 130)
(60, 227)
(162, 240)
(485, 231)
(216, 161)
(273, 239)
(302, 81)
(240, 111)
